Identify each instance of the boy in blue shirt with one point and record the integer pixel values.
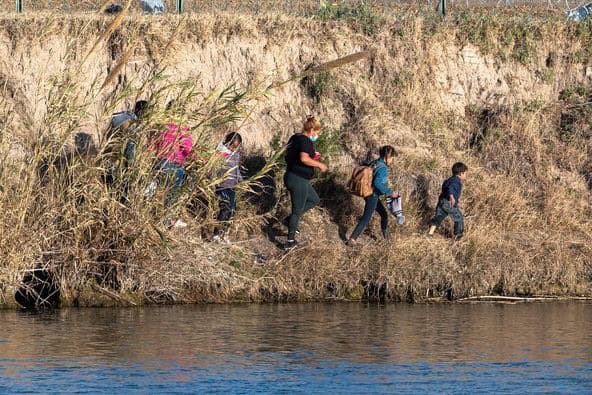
(448, 202)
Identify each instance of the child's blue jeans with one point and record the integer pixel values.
(176, 170)
(443, 210)
(373, 204)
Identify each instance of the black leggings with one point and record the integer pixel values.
(303, 197)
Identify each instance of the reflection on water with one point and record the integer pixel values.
(340, 347)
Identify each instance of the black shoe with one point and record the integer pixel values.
(386, 234)
(290, 245)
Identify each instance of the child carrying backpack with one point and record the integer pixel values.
(373, 191)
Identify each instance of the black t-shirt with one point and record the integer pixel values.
(299, 143)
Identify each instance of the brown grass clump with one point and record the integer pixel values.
(513, 109)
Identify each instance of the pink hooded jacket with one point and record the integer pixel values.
(174, 145)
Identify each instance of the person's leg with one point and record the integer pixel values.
(369, 208)
(441, 214)
(312, 198)
(297, 186)
(223, 205)
(384, 219)
(459, 222)
(178, 172)
(179, 176)
(227, 205)
(232, 201)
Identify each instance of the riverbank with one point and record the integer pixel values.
(505, 94)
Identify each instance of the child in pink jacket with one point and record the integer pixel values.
(172, 149)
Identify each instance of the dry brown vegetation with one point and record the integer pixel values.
(293, 7)
(505, 95)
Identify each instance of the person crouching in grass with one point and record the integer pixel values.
(449, 201)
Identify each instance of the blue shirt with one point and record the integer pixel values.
(380, 178)
(452, 186)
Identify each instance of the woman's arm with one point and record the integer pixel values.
(308, 161)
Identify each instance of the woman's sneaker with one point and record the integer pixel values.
(290, 245)
(221, 237)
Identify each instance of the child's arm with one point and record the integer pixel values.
(453, 190)
(452, 200)
(186, 145)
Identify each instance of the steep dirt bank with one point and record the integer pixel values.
(445, 68)
(493, 92)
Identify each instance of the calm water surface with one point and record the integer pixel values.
(355, 348)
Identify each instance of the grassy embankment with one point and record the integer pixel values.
(512, 109)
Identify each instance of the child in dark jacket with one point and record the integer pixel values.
(229, 151)
(448, 202)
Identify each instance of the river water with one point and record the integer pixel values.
(355, 348)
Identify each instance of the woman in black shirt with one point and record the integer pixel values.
(301, 160)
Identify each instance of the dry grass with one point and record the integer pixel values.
(292, 7)
(527, 200)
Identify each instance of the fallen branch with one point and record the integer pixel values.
(496, 298)
(113, 295)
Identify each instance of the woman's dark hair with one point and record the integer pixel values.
(231, 137)
(387, 150)
(458, 168)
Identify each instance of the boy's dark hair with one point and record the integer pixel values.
(458, 168)
(233, 136)
(140, 107)
(387, 150)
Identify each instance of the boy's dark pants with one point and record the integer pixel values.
(303, 197)
(445, 209)
(227, 205)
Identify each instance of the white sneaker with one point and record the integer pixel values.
(179, 224)
(150, 189)
(221, 239)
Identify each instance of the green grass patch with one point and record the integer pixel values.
(367, 19)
